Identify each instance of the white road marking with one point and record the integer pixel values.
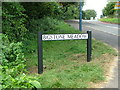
(103, 24)
(110, 26)
(102, 31)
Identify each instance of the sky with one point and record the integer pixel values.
(97, 5)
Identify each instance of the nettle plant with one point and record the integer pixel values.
(12, 51)
(13, 73)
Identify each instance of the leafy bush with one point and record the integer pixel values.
(13, 21)
(12, 51)
(44, 25)
(13, 66)
(11, 78)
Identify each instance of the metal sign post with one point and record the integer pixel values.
(40, 61)
(89, 46)
(80, 19)
(51, 37)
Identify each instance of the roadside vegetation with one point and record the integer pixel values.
(88, 14)
(65, 63)
(110, 15)
(111, 20)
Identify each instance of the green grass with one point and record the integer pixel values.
(111, 20)
(65, 61)
(0, 45)
(71, 76)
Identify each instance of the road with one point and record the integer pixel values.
(104, 32)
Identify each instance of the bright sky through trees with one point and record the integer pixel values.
(97, 5)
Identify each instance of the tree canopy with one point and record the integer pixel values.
(17, 15)
(13, 21)
(109, 9)
(41, 9)
(61, 10)
(90, 13)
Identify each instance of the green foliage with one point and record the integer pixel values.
(70, 12)
(83, 14)
(12, 51)
(13, 21)
(40, 9)
(44, 25)
(13, 66)
(59, 10)
(15, 78)
(111, 20)
(89, 14)
(67, 4)
(109, 9)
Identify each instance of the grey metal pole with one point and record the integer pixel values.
(40, 61)
(80, 20)
(89, 46)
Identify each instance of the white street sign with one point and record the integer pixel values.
(47, 37)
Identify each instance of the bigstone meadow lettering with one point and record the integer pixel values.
(48, 37)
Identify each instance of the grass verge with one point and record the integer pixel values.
(111, 20)
(65, 61)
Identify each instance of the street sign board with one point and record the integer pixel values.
(48, 37)
(52, 37)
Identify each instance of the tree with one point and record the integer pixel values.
(64, 4)
(60, 10)
(109, 9)
(40, 9)
(90, 13)
(71, 9)
(83, 14)
(13, 21)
